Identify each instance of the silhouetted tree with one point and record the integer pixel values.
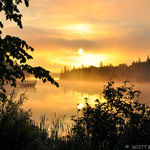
(111, 125)
(101, 64)
(137, 71)
(65, 69)
(148, 59)
(14, 49)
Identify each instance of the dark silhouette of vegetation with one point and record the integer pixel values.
(137, 71)
(17, 130)
(13, 52)
(111, 125)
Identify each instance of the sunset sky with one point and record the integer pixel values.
(111, 31)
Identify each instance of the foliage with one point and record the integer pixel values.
(17, 130)
(111, 125)
(138, 71)
(119, 121)
(13, 52)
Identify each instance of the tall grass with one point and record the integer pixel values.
(110, 125)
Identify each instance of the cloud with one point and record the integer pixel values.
(136, 38)
(116, 26)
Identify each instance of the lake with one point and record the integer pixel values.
(48, 99)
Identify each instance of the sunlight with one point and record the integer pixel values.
(79, 106)
(91, 59)
(80, 28)
(80, 51)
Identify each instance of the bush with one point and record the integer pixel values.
(119, 121)
(17, 130)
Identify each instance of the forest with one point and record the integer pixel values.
(137, 71)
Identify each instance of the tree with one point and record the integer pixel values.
(13, 51)
(101, 64)
(65, 69)
(17, 127)
(119, 121)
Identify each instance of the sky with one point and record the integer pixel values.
(111, 31)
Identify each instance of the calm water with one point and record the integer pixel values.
(47, 99)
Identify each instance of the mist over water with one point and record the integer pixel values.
(47, 99)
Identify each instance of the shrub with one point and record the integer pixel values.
(17, 130)
(119, 121)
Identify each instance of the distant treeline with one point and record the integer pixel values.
(137, 71)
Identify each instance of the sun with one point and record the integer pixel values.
(79, 106)
(80, 51)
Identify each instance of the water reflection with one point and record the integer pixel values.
(47, 99)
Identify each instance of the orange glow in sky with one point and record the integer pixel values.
(79, 28)
(111, 31)
(80, 51)
(88, 59)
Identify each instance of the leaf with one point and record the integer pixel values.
(1, 25)
(26, 3)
